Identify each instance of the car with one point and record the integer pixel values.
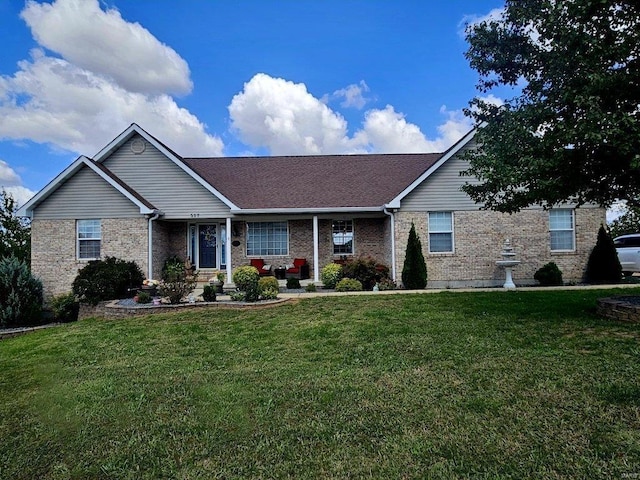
(628, 248)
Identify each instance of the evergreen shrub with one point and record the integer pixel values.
(603, 266)
(549, 275)
(20, 294)
(108, 279)
(414, 271)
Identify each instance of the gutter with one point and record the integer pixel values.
(392, 219)
(155, 216)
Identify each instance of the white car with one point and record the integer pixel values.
(628, 248)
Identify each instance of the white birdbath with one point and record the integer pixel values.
(508, 262)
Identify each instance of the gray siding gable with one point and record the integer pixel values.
(163, 183)
(85, 195)
(441, 190)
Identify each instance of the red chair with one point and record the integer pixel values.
(299, 270)
(263, 269)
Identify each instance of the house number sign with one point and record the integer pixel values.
(194, 215)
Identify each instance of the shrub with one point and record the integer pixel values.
(366, 270)
(237, 296)
(310, 288)
(20, 294)
(349, 285)
(177, 282)
(246, 279)
(268, 283)
(245, 276)
(269, 293)
(107, 279)
(293, 283)
(144, 297)
(603, 265)
(414, 271)
(331, 275)
(209, 293)
(549, 275)
(387, 284)
(65, 307)
(173, 268)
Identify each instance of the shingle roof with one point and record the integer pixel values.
(316, 181)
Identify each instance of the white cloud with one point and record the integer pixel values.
(113, 73)
(285, 118)
(353, 95)
(104, 43)
(495, 15)
(77, 110)
(11, 183)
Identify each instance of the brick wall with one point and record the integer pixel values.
(479, 237)
(53, 249)
(371, 238)
(169, 239)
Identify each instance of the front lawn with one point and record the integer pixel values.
(449, 385)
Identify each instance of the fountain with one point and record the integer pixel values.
(508, 263)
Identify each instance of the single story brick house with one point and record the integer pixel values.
(139, 200)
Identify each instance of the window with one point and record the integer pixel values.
(89, 239)
(342, 234)
(561, 229)
(440, 232)
(267, 238)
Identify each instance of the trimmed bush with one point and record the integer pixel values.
(209, 293)
(266, 283)
(414, 271)
(603, 265)
(246, 279)
(331, 275)
(549, 275)
(20, 294)
(293, 283)
(366, 270)
(65, 308)
(269, 293)
(108, 279)
(349, 285)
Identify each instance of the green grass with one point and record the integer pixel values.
(450, 385)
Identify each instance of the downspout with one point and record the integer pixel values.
(150, 230)
(392, 219)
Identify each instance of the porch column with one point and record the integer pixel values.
(228, 252)
(316, 256)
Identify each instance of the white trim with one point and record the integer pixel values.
(392, 220)
(228, 252)
(452, 232)
(573, 230)
(27, 209)
(87, 259)
(395, 203)
(280, 211)
(133, 129)
(316, 250)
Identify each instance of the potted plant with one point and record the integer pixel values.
(218, 281)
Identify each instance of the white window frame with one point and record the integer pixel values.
(80, 239)
(353, 237)
(451, 231)
(266, 251)
(572, 230)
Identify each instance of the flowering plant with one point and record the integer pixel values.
(150, 282)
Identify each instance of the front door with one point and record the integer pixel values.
(207, 246)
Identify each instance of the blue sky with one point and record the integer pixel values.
(229, 78)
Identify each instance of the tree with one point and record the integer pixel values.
(15, 232)
(573, 131)
(414, 271)
(603, 265)
(628, 222)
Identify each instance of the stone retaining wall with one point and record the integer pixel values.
(619, 309)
